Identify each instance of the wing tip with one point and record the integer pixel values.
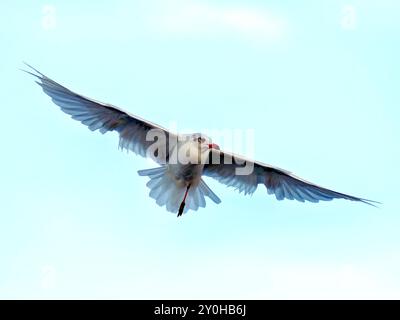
(33, 72)
(372, 203)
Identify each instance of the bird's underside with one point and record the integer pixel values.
(176, 184)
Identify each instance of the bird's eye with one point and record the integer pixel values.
(199, 140)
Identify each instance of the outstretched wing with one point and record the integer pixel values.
(224, 168)
(135, 134)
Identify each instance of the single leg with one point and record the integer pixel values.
(183, 202)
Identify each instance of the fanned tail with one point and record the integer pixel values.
(166, 192)
(205, 189)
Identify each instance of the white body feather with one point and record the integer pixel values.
(168, 183)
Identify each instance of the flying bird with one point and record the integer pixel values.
(183, 160)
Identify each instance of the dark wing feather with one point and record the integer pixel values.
(105, 117)
(283, 184)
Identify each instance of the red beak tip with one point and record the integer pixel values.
(213, 146)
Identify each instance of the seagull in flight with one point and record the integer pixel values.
(183, 159)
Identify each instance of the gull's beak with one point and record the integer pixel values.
(213, 146)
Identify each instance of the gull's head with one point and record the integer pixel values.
(204, 141)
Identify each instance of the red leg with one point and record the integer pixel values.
(180, 212)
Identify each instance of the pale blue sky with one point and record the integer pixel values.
(317, 81)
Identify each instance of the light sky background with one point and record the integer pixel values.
(317, 81)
